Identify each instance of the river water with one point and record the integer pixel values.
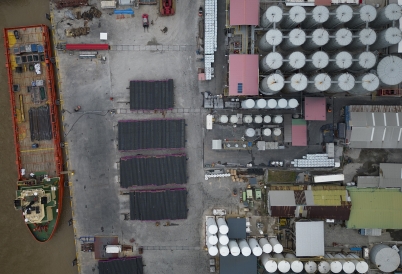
(19, 251)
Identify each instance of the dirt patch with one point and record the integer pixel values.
(281, 176)
(153, 42)
(396, 235)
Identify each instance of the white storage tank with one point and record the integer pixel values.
(319, 38)
(212, 228)
(294, 17)
(361, 266)
(272, 84)
(296, 38)
(276, 246)
(223, 250)
(273, 14)
(223, 119)
(346, 82)
(247, 119)
(212, 239)
(389, 13)
(255, 247)
(223, 227)
(385, 258)
(258, 119)
(267, 132)
(282, 103)
(320, 14)
(387, 38)
(336, 266)
(343, 37)
(283, 265)
(389, 70)
(277, 132)
(271, 103)
(271, 61)
(223, 238)
(317, 60)
(278, 119)
(234, 119)
(365, 61)
(321, 83)
(293, 103)
(310, 267)
(369, 82)
(324, 267)
(269, 264)
(247, 104)
(260, 103)
(363, 38)
(266, 246)
(249, 132)
(271, 38)
(267, 119)
(298, 83)
(339, 61)
(212, 249)
(244, 248)
(295, 264)
(347, 266)
(367, 13)
(295, 60)
(234, 248)
(339, 16)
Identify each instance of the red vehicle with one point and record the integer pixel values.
(167, 7)
(145, 21)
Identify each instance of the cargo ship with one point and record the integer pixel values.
(31, 84)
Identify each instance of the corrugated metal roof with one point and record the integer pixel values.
(299, 135)
(328, 212)
(375, 208)
(243, 74)
(281, 198)
(128, 265)
(151, 95)
(282, 211)
(329, 197)
(315, 108)
(310, 238)
(368, 181)
(244, 12)
(390, 175)
(287, 131)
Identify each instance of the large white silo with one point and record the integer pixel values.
(255, 247)
(283, 265)
(233, 119)
(223, 227)
(278, 119)
(212, 228)
(365, 61)
(271, 103)
(248, 104)
(367, 13)
(324, 267)
(234, 248)
(318, 60)
(282, 103)
(293, 17)
(276, 246)
(385, 258)
(273, 14)
(310, 267)
(296, 38)
(270, 265)
(320, 14)
(260, 103)
(223, 119)
(267, 132)
(385, 16)
(339, 61)
(389, 70)
(295, 60)
(223, 238)
(386, 38)
(321, 83)
(345, 81)
(249, 132)
(297, 82)
(295, 264)
(339, 16)
(272, 84)
(271, 38)
(212, 249)
(265, 245)
(347, 266)
(271, 61)
(244, 247)
(317, 39)
(361, 265)
(293, 103)
(258, 119)
(336, 266)
(341, 38)
(212, 239)
(368, 83)
(267, 119)
(363, 38)
(223, 250)
(247, 119)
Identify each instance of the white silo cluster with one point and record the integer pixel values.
(266, 104)
(216, 236)
(298, 39)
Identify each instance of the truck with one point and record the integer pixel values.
(167, 7)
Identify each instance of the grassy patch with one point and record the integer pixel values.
(281, 176)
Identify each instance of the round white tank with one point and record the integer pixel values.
(258, 119)
(269, 264)
(282, 103)
(320, 14)
(293, 103)
(223, 250)
(385, 258)
(310, 267)
(223, 239)
(267, 132)
(296, 60)
(271, 38)
(272, 15)
(255, 247)
(271, 103)
(223, 227)
(369, 83)
(324, 267)
(223, 119)
(386, 38)
(267, 119)
(296, 38)
(244, 248)
(295, 264)
(343, 37)
(266, 246)
(272, 84)
(212, 239)
(347, 266)
(319, 38)
(365, 37)
(389, 70)
(247, 119)
(298, 82)
(276, 246)
(318, 60)
(247, 104)
(283, 265)
(260, 103)
(296, 15)
(212, 228)
(345, 81)
(343, 14)
(271, 61)
(336, 266)
(366, 60)
(212, 250)
(278, 119)
(234, 119)
(361, 266)
(389, 13)
(250, 132)
(342, 60)
(277, 132)
(321, 82)
(234, 248)
(367, 13)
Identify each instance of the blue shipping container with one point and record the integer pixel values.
(40, 48)
(34, 47)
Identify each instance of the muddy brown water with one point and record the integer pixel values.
(19, 251)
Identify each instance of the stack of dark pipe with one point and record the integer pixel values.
(91, 13)
(39, 123)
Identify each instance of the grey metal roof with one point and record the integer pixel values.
(368, 181)
(151, 134)
(310, 238)
(237, 264)
(151, 95)
(237, 228)
(390, 175)
(287, 131)
(158, 170)
(281, 198)
(126, 265)
(309, 197)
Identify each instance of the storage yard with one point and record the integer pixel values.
(231, 136)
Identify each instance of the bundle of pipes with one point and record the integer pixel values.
(271, 61)
(386, 38)
(40, 124)
(271, 38)
(366, 14)
(294, 61)
(339, 16)
(294, 17)
(272, 15)
(363, 38)
(317, 60)
(340, 38)
(320, 15)
(272, 84)
(316, 39)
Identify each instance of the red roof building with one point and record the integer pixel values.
(244, 12)
(299, 133)
(315, 109)
(243, 74)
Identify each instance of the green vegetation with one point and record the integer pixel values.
(281, 176)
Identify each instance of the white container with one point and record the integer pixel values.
(267, 119)
(267, 132)
(272, 103)
(223, 250)
(247, 104)
(260, 103)
(212, 250)
(282, 103)
(347, 266)
(361, 266)
(212, 239)
(234, 248)
(255, 247)
(269, 264)
(223, 239)
(324, 267)
(233, 119)
(310, 267)
(258, 119)
(212, 228)
(244, 248)
(250, 132)
(247, 119)
(223, 119)
(283, 265)
(266, 246)
(336, 266)
(276, 246)
(277, 132)
(278, 119)
(293, 103)
(223, 227)
(295, 264)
